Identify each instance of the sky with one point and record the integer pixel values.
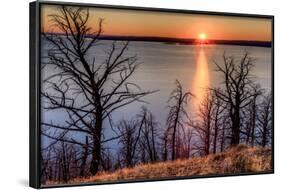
(175, 25)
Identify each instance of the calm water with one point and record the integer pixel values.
(162, 64)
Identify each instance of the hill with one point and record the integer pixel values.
(239, 159)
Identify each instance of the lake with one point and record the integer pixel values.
(162, 64)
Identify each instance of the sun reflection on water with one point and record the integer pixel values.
(201, 79)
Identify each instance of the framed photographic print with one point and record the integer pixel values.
(129, 94)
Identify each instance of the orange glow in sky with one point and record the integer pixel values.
(173, 25)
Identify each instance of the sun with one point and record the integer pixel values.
(202, 36)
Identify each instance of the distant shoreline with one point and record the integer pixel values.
(184, 41)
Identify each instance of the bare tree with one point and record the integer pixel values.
(107, 159)
(250, 115)
(188, 140)
(187, 143)
(218, 115)
(84, 157)
(177, 114)
(184, 143)
(63, 162)
(237, 89)
(131, 131)
(164, 145)
(265, 121)
(46, 172)
(87, 91)
(204, 125)
(149, 136)
(139, 139)
(225, 132)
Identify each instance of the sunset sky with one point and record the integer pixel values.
(175, 25)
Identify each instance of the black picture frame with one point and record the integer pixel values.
(35, 80)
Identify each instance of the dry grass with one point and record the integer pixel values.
(240, 159)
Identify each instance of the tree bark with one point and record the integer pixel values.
(174, 134)
(96, 154)
(235, 137)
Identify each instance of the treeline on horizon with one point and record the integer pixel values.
(239, 111)
(182, 41)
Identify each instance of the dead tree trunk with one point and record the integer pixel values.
(79, 86)
(265, 121)
(237, 91)
(177, 114)
(218, 110)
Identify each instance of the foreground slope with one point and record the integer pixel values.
(240, 159)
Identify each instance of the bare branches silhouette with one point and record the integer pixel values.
(88, 92)
(87, 87)
(177, 114)
(237, 89)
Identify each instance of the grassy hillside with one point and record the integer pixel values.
(239, 159)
